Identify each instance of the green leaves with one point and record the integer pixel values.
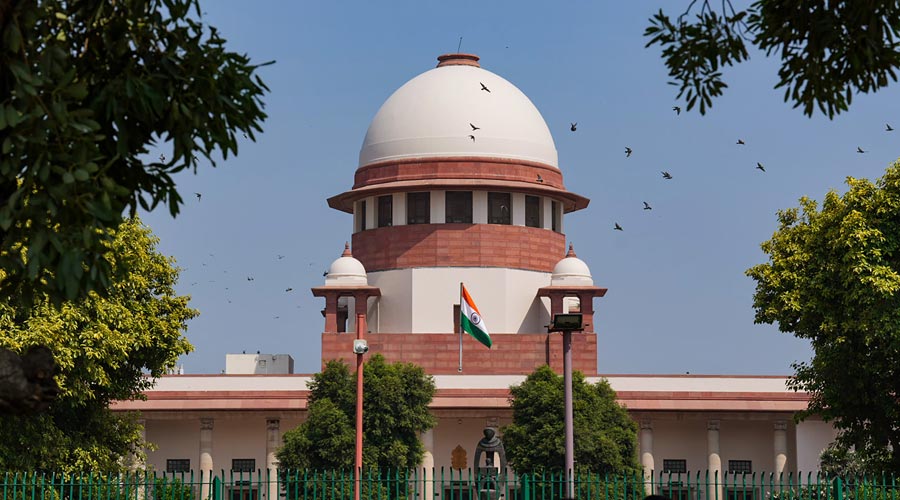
(103, 346)
(829, 51)
(605, 436)
(395, 412)
(694, 53)
(833, 277)
(91, 83)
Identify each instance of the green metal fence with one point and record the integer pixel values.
(440, 485)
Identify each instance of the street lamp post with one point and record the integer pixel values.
(568, 323)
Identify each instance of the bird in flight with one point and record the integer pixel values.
(859, 149)
(325, 273)
(759, 166)
(647, 206)
(484, 88)
(740, 142)
(279, 257)
(888, 127)
(676, 109)
(540, 179)
(474, 128)
(198, 195)
(288, 289)
(162, 157)
(617, 227)
(472, 137)
(573, 126)
(627, 152)
(249, 278)
(666, 175)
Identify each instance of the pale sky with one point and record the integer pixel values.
(678, 298)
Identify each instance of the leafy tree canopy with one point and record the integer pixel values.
(605, 435)
(833, 278)
(85, 89)
(395, 411)
(106, 348)
(828, 50)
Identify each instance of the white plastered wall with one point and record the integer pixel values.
(680, 440)
(813, 436)
(421, 300)
(173, 439)
(750, 440)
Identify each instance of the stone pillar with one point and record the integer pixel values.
(647, 462)
(556, 304)
(331, 305)
(273, 441)
(428, 465)
(587, 311)
(780, 442)
(206, 461)
(714, 466)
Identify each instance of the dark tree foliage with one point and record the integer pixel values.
(828, 50)
(86, 88)
(833, 278)
(395, 412)
(102, 350)
(605, 435)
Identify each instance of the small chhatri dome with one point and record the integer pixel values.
(436, 114)
(346, 270)
(571, 271)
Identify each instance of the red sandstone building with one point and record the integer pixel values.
(458, 181)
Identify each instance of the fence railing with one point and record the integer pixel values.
(441, 484)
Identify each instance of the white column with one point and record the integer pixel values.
(518, 209)
(273, 442)
(715, 460)
(371, 213)
(206, 461)
(479, 208)
(780, 442)
(647, 462)
(546, 213)
(438, 207)
(428, 465)
(398, 206)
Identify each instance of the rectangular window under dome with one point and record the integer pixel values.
(533, 211)
(458, 207)
(385, 210)
(418, 208)
(499, 211)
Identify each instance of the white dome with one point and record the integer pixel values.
(571, 271)
(429, 117)
(346, 270)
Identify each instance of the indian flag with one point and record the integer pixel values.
(470, 319)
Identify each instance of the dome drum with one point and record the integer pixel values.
(458, 168)
(458, 245)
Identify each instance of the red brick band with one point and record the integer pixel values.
(458, 168)
(438, 353)
(459, 245)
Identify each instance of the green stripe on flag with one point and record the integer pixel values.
(473, 330)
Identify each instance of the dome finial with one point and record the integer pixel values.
(346, 250)
(458, 59)
(571, 252)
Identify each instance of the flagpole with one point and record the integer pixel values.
(460, 325)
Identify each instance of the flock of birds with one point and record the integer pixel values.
(573, 127)
(248, 278)
(667, 176)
